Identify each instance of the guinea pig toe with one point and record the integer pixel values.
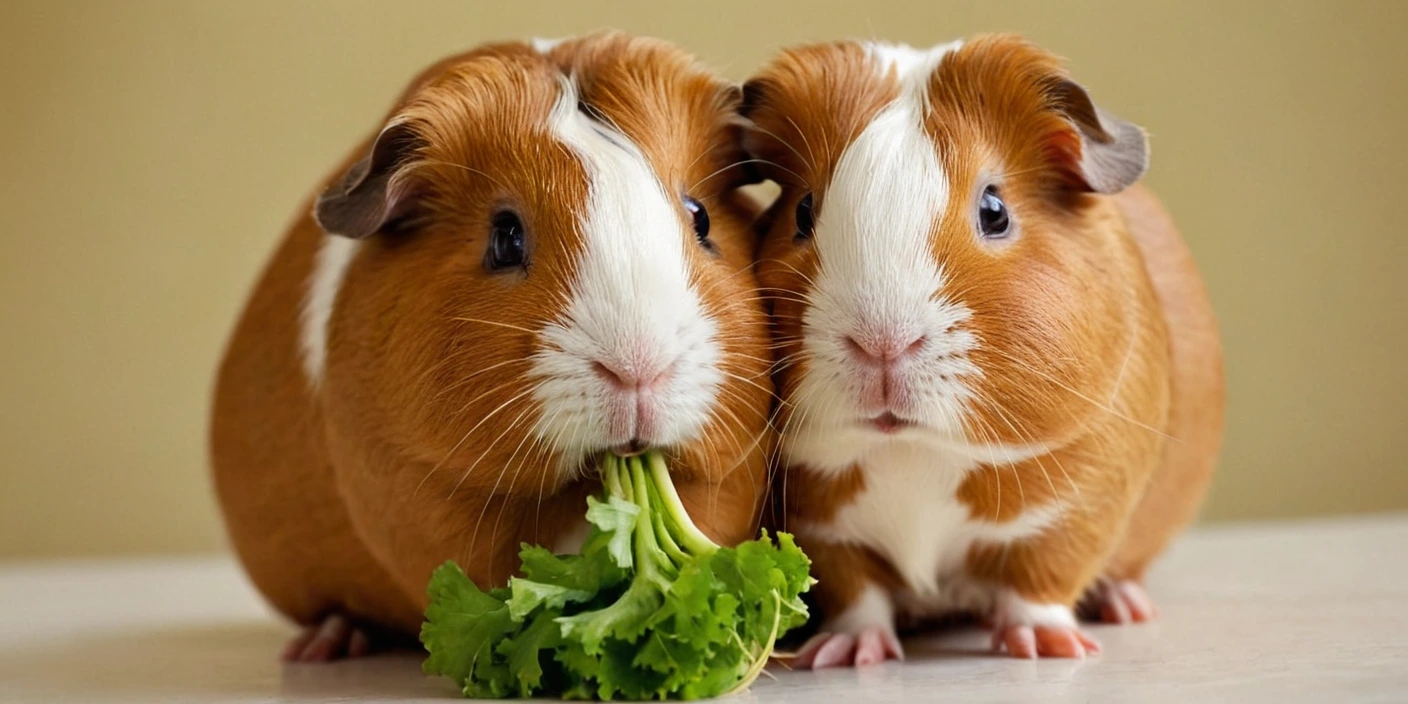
(333, 639)
(876, 645)
(1136, 600)
(1020, 641)
(826, 650)
(1029, 642)
(1122, 601)
(1064, 642)
(870, 646)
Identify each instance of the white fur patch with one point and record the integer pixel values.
(871, 609)
(912, 66)
(330, 264)
(1013, 610)
(543, 46)
(908, 513)
(631, 306)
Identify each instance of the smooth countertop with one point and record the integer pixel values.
(1276, 612)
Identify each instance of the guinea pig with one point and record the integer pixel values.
(540, 256)
(1000, 373)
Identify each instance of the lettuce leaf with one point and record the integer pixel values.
(650, 608)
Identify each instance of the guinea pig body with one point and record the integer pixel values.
(1001, 378)
(540, 257)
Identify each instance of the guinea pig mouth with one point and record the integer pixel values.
(630, 449)
(889, 423)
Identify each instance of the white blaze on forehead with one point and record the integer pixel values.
(912, 66)
(885, 196)
(631, 303)
(877, 276)
(330, 264)
(632, 284)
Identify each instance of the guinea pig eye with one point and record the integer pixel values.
(993, 222)
(701, 219)
(506, 243)
(805, 222)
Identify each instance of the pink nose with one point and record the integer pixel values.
(884, 350)
(632, 407)
(624, 379)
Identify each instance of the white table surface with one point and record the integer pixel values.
(1313, 611)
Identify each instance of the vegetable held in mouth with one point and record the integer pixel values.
(650, 609)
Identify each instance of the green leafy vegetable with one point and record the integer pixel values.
(650, 609)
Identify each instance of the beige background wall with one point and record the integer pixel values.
(150, 153)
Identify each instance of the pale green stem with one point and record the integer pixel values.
(692, 538)
(664, 535)
(611, 475)
(647, 550)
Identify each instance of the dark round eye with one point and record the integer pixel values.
(992, 215)
(701, 219)
(805, 222)
(506, 243)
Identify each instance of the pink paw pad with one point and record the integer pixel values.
(869, 647)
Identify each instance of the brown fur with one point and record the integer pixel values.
(414, 449)
(1198, 394)
(1097, 337)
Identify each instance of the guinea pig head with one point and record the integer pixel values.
(939, 261)
(539, 258)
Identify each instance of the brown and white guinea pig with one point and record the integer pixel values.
(540, 256)
(1000, 373)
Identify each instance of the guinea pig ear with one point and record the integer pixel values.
(360, 203)
(1113, 153)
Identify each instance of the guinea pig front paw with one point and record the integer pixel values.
(1029, 642)
(1028, 630)
(869, 646)
(862, 634)
(333, 639)
(1118, 601)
